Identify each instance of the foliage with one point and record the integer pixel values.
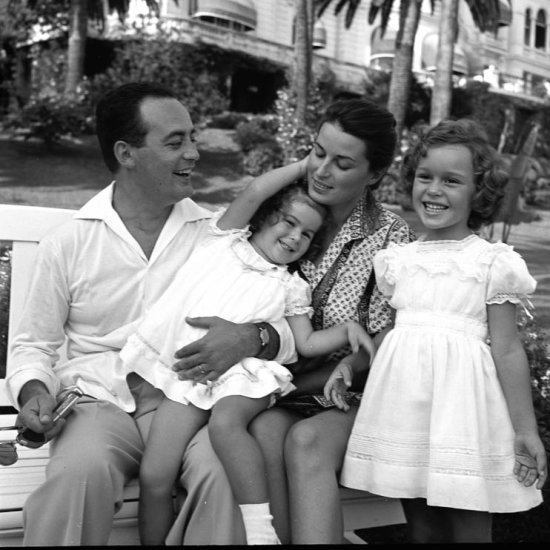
(228, 120)
(274, 140)
(181, 67)
(377, 86)
(537, 348)
(54, 116)
(296, 139)
(260, 149)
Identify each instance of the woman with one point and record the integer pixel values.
(303, 442)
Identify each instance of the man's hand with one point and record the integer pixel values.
(224, 345)
(37, 410)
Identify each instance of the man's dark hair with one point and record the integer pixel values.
(118, 117)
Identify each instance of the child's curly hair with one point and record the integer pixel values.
(490, 178)
(270, 211)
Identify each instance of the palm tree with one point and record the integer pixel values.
(409, 17)
(301, 77)
(486, 15)
(76, 47)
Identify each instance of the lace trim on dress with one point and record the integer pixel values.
(472, 264)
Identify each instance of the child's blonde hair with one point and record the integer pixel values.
(490, 178)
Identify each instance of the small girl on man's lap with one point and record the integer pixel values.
(446, 422)
(242, 276)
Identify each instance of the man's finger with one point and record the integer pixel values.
(202, 322)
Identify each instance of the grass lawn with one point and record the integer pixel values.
(68, 174)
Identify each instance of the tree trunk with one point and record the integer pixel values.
(401, 77)
(302, 57)
(78, 26)
(443, 81)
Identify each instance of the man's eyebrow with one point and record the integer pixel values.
(180, 133)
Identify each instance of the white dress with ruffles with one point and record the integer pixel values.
(224, 277)
(433, 421)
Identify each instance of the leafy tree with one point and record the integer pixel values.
(22, 16)
(409, 17)
(485, 13)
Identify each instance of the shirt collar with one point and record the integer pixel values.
(364, 219)
(100, 207)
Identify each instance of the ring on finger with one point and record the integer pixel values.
(201, 369)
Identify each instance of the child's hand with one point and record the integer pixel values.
(530, 465)
(358, 337)
(337, 385)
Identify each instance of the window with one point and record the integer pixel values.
(527, 28)
(540, 30)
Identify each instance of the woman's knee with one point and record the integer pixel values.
(302, 445)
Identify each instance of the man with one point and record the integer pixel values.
(94, 277)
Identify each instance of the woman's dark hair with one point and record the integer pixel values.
(490, 178)
(369, 122)
(118, 117)
(269, 211)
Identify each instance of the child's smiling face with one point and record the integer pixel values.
(287, 239)
(443, 191)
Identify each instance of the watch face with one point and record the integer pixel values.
(264, 336)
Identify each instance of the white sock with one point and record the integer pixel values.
(257, 523)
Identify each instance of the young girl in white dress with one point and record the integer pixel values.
(242, 276)
(446, 422)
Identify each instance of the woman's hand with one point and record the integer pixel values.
(358, 337)
(338, 384)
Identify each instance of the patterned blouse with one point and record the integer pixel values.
(343, 283)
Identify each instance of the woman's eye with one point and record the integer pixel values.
(174, 144)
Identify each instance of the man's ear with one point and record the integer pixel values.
(124, 153)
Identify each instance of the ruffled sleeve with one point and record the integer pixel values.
(385, 268)
(298, 297)
(509, 278)
(241, 233)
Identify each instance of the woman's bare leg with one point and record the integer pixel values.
(269, 429)
(173, 426)
(314, 452)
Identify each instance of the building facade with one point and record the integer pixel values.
(515, 61)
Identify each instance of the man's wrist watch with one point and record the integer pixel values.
(264, 336)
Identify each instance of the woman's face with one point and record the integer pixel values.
(338, 170)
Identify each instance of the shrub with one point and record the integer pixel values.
(176, 65)
(54, 116)
(228, 120)
(260, 150)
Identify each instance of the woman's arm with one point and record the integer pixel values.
(245, 204)
(311, 343)
(513, 372)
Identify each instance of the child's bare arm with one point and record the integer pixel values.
(513, 372)
(310, 343)
(246, 203)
